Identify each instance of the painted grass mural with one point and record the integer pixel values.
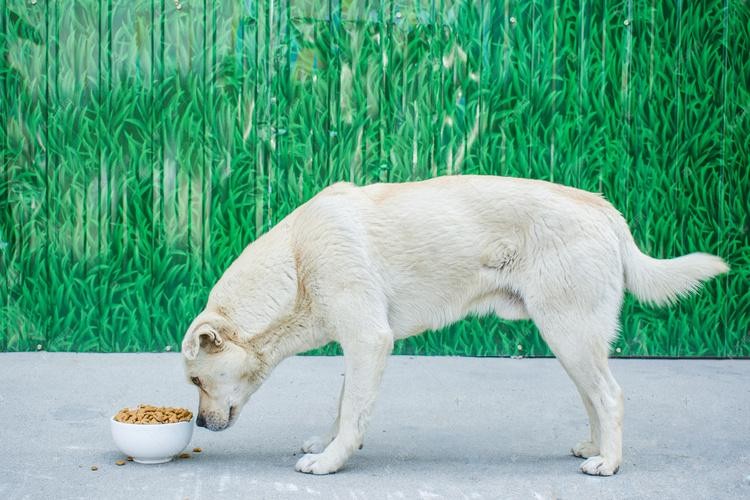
(146, 142)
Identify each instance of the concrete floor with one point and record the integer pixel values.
(455, 428)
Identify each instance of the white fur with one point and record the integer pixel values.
(368, 265)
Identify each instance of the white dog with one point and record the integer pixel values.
(367, 265)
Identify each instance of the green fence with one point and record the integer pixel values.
(146, 142)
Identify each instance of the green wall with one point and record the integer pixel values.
(146, 142)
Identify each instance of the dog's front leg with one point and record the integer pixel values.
(317, 444)
(365, 361)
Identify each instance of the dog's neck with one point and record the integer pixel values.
(264, 296)
(260, 286)
(292, 334)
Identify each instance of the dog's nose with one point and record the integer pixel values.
(200, 421)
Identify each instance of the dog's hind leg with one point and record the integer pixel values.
(365, 357)
(317, 444)
(581, 346)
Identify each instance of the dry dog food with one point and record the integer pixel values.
(120, 462)
(147, 414)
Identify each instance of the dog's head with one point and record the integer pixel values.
(225, 371)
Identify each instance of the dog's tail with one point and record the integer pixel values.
(664, 281)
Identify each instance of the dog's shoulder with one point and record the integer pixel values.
(336, 198)
(337, 189)
(333, 215)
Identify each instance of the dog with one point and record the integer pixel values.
(365, 266)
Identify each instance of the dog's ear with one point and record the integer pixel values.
(202, 335)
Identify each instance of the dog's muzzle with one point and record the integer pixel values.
(215, 421)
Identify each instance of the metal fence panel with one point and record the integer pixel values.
(145, 143)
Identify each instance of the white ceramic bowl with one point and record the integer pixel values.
(151, 443)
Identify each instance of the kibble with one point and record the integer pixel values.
(184, 455)
(94, 467)
(120, 462)
(148, 414)
(197, 450)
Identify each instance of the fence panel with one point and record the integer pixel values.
(146, 143)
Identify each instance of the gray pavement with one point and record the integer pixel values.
(455, 428)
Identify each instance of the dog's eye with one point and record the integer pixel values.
(196, 381)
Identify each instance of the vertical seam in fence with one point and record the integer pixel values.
(390, 126)
(242, 81)
(274, 131)
(99, 97)
(9, 244)
(554, 91)
(461, 38)
(625, 85)
(85, 225)
(433, 98)
(433, 82)
(651, 50)
(464, 102)
(52, 160)
(269, 141)
(603, 92)
(108, 167)
(190, 74)
(213, 136)
(273, 34)
(441, 90)
(581, 72)
(47, 172)
(381, 96)
(56, 96)
(480, 98)
(207, 91)
(722, 215)
(254, 118)
(680, 79)
(288, 92)
(152, 155)
(160, 232)
(531, 85)
(650, 83)
(339, 51)
(6, 247)
(112, 179)
(327, 121)
(162, 22)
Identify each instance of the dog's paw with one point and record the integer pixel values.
(317, 463)
(585, 449)
(599, 466)
(315, 444)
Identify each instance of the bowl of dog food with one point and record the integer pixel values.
(152, 434)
